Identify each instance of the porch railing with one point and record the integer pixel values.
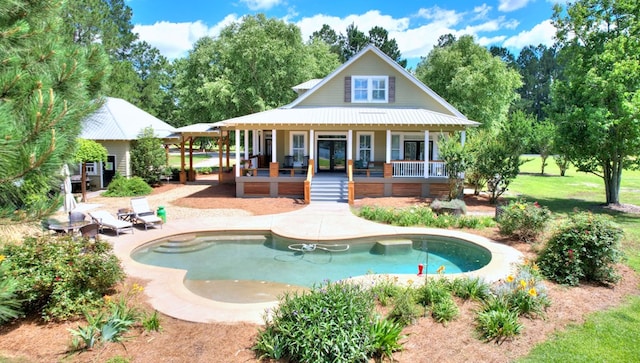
(415, 169)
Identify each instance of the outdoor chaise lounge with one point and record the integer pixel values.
(106, 219)
(143, 214)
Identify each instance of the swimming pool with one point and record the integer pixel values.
(243, 267)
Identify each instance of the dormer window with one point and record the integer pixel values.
(369, 89)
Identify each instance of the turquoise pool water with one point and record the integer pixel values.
(262, 258)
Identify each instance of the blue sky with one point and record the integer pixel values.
(174, 26)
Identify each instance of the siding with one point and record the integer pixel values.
(407, 94)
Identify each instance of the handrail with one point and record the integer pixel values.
(307, 184)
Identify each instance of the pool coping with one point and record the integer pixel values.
(316, 222)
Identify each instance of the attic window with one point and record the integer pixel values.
(369, 89)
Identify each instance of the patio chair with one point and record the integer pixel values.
(143, 214)
(77, 217)
(90, 231)
(106, 219)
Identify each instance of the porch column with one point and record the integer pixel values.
(463, 137)
(246, 144)
(312, 147)
(237, 145)
(274, 157)
(254, 143)
(426, 154)
(349, 145)
(388, 147)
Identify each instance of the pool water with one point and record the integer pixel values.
(222, 260)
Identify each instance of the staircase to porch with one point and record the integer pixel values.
(329, 188)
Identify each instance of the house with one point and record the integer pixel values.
(115, 125)
(370, 125)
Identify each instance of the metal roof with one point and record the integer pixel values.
(118, 119)
(339, 116)
(307, 85)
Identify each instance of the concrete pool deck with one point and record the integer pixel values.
(318, 221)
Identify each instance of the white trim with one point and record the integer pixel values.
(312, 145)
(349, 145)
(369, 89)
(388, 156)
(237, 144)
(274, 156)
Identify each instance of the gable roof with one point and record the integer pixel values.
(390, 62)
(118, 119)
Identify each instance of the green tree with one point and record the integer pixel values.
(597, 102)
(249, 68)
(542, 140)
(349, 44)
(457, 159)
(88, 151)
(47, 85)
(496, 154)
(139, 71)
(539, 69)
(148, 158)
(478, 84)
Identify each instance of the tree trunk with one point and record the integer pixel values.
(612, 177)
(83, 182)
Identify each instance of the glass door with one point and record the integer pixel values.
(332, 155)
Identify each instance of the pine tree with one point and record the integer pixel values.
(48, 86)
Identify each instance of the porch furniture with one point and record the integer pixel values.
(77, 216)
(144, 214)
(126, 214)
(67, 227)
(106, 219)
(90, 231)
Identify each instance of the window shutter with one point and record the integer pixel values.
(392, 89)
(347, 89)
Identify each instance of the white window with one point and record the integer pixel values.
(92, 168)
(395, 147)
(370, 89)
(298, 148)
(365, 146)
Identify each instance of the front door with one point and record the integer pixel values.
(108, 170)
(332, 155)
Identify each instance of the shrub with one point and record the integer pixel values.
(523, 293)
(385, 337)
(469, 288)
(61, 277)
(405, 310)
(9, 302)
(498, 323)
(385, 289)
(148, 158)
(523, 220)
(123, 187)
(445, 310)
(433, 291)
(586, 247)
(330, 323)
(421, 215)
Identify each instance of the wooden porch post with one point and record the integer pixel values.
(426, 154)
(237, 145)
(183, 173)
(273, 166)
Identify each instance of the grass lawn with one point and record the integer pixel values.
(606, 336)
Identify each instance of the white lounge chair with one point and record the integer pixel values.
(106, 219)
(143, 214)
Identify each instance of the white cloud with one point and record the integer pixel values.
(511, 5)
(542, 33)
(174, 40)
(481, 11)
(261, 4)
(364, 22)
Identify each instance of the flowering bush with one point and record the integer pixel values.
(586, 247)
(523, 220)
(61, 277)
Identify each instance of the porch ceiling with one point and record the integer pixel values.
(340, 116)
